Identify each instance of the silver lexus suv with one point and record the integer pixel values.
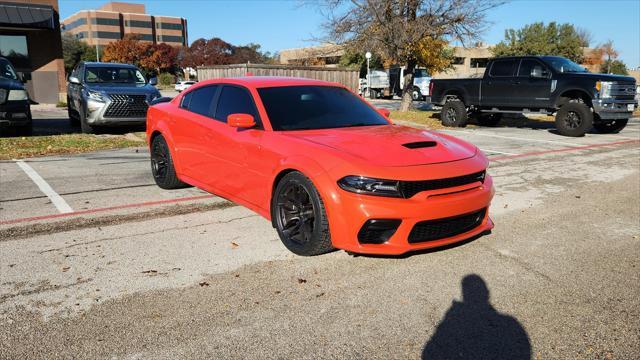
(108, 94)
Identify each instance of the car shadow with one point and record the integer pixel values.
(62, 126)
(473, 329)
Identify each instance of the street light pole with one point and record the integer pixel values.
(97, 52)
(368, 56)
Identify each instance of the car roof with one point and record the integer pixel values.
(93, 64)
(268, 81)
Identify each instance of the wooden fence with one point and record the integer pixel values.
(347, 77)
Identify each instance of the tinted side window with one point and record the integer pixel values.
(201, 100)
(503, 68)
(235, 100)
(185, 100)
(526, 65)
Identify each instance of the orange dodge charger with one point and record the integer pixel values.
(328, 169)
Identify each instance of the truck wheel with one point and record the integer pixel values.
(373, 94)
(490, 120)
(610, 126)
(454, 114)
(574, 119)
(416, 95)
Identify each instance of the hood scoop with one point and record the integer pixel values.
(420, 144)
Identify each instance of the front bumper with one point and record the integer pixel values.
(15, 113)
(349, 212)
(613, 109)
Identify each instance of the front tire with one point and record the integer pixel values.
(162, 168)
(84, 126)
(416, 95)
(574, 119)
(299, 216)
(454, 114)
(610, 126)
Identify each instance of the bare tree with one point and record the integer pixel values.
(586, 37)
(395, 29)
(610, 53)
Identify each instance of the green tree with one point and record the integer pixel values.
(356, 60)
(74, 51)
(540, 39)
(614, 67)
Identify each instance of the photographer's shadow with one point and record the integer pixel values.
(473, 329)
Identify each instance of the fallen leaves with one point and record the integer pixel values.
(203, 284)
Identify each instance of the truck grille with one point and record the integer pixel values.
(443, 228)
(623, 91)
(127, 106)
(410, 188)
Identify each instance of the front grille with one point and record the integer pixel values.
(623, 91)
(443, 228)
(410, 188)
(127, 106)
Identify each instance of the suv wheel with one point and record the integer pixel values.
(84, 126)
(574, 119)
(610, 126)
(454, 114)
(73, 115)
(299, 216)
(416, 95)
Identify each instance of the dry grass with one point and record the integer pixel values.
(430, 119)
(24, 147)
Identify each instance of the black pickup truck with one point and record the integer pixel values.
(538, 84)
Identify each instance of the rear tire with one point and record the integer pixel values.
(454, 114)
(299, 216)
(416, 95)
(162, 168)
(574, 119)
(610, 126)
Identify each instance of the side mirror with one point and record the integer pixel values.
(153, 81)
(538, 72)
(384, 112)
(74, 80)
(241, 121)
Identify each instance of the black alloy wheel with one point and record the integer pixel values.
(299, 216)
(162, 168)
(574, 119)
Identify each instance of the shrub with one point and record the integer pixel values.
(165, 79)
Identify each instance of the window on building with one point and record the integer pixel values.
(479, 62)
(140, 24)
(171, 38)
(14, 48)
(171, 26)
(106, 35)
(105, 21)
(457, 61)
(74, 24)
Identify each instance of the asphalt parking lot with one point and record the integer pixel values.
(96, 262)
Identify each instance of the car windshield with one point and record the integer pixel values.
(113, 75)
(316, 107)
(563, 65)
(6, 70)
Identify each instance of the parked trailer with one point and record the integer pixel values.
(347, 77)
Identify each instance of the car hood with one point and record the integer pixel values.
(602, 77)
(123, 88)
(10, 84)
(390, 145)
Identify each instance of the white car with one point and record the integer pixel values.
(183, 85)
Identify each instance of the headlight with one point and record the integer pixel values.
(17, 95)
(95, 95)
(604, 89)
(369, 186)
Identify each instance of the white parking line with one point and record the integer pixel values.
(498, 152)
(516, 138)
(56, 199)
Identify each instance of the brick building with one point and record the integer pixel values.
(114, 20)
(30, 39)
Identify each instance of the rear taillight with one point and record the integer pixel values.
(430, 88)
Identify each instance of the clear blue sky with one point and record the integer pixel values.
(283, 24)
